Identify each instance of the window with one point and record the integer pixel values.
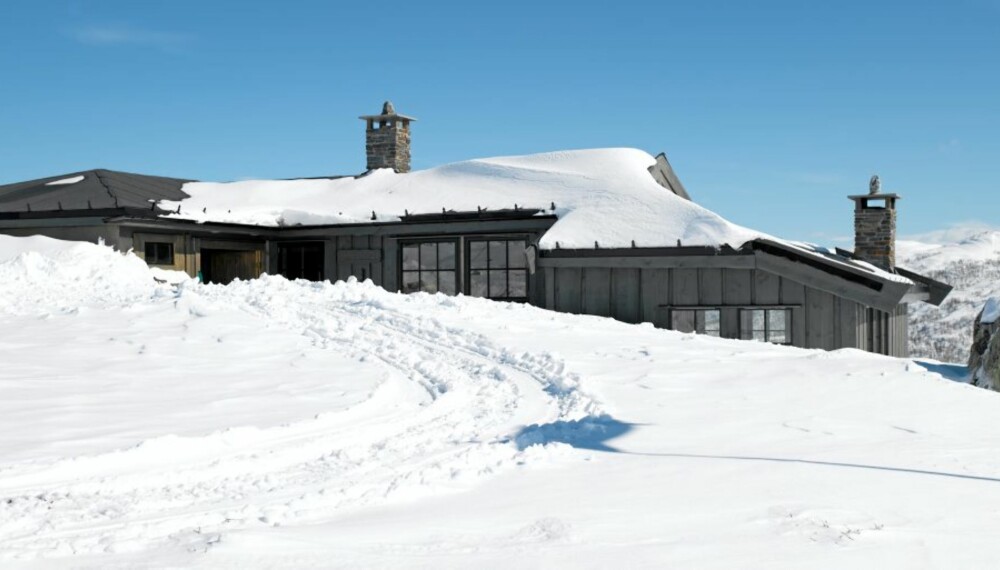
(159, 253)
(498, 269)
(769, 325)
(429, 267)
(701, 321)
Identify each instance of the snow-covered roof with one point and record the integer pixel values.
(602, 195)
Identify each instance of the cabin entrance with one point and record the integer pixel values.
(225, 265)
(301, 260)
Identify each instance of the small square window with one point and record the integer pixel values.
(701, 321)
(159, 253)
(766, 325)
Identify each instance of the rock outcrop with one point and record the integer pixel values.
(984, 357)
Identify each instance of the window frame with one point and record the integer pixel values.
(699, 324)
(153, 257)
(403, 244)
(506, 268)
(768, 330)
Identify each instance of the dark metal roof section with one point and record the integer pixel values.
(90, 190)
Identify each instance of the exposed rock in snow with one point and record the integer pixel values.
(984, 355)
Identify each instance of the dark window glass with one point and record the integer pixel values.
(498, 254)
(515, 254)
(498, 269)
(428, 281)
(411, 257)
(682, 320)
(498, 284)
(159, 253)
(411, 281)
(477, 255)
(446, 256)
(428, 256)
(429, 267)
(766, 325)
(446, 283)
(517, 284)
(477, 283)
(709, 322)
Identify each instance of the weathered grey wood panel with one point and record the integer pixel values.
(766, 288)
(597, 291)
(710, 289)
(568, 284)
(794, 293)
(684, 287)
(655, 292)
(625, 295)
(737, 287)
(820, 319)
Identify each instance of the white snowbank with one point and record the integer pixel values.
(64, 275)
(271, 423)
(603, 195)
(66, 181)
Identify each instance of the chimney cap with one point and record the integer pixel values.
(388, 112)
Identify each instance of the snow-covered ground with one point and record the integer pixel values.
(970, 262)
(277, 424)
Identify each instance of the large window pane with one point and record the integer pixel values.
(758, 320)
(446, 255)
(682, 320)
(446, 282)
(498, 283)
(515, 254)
(411, 257)
(477, 255)
(776, 320)
(498, 255)
(428, 256)
(477, 282)
(710, 322)
(429, 281)
(517, 284)
(411, 281)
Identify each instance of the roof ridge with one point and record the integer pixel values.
(97, 173)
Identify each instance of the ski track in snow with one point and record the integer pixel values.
(187, 491)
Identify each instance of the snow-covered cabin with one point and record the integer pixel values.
(609, 232)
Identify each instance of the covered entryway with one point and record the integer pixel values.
(301, 260)
(222, 262)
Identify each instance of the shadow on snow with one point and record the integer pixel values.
(953, 372)
(594, 432)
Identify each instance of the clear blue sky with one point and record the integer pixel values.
(771, 112)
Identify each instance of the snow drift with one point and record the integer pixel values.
(279, 424)
(602, 195)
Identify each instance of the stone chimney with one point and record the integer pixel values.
(387, 139)
(875, 226)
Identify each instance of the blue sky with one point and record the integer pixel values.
(771, 112)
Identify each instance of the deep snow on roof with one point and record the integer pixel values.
(601, 195)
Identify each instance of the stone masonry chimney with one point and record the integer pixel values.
(875, 226)
(387, 139)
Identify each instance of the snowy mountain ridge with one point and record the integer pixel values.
(970, 264)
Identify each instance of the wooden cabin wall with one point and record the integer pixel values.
(819, 319)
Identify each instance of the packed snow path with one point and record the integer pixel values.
(276, 424)
(443, 413)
